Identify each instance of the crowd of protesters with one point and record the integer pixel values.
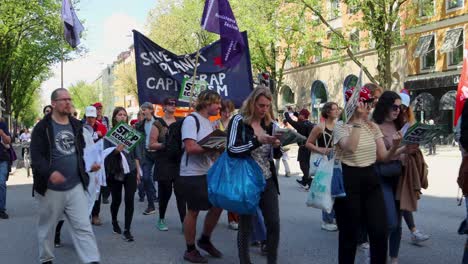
(378, 172)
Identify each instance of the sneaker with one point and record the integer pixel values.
(233, 225)
(417, 237)
(210, 249)
(105, 201)
(116, 228)
(3, 215)
(141, 199)
(161, 225)
(194, 256)
(127, 236)
(149, 211)
(329, 227)
(96, 221)
(57, 242)
(287, 174)
(394, 261)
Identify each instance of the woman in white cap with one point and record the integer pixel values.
(408, 118)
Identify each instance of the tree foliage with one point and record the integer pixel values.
(125, 78)
(31, 40)
(381, 18)
(83, 94)
(274, 32)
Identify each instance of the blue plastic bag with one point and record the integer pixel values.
(337, 186)
(235, 184)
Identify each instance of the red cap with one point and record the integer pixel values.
(97, 104)
(133, 121)
(364, 95)
(304, 112)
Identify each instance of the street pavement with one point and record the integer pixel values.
(302, 240)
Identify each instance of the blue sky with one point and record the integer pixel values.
(108, 25)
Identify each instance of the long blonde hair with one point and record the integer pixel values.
(248, 107)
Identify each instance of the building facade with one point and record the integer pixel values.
(331, 73)
(435, 42)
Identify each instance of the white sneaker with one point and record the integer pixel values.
(417, 237)
(233, 225)
(329, 227)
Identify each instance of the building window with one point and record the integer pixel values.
(354, 39)
(318, 55)
(352, 8)
(426, 8)
(428, 58)
(454, 4)
(334, 9)
(453, 46)
(371, 41)
(425, 50)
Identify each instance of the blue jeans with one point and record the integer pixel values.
(149, 171)
(393, 218)
(3, 188)
(328, 217)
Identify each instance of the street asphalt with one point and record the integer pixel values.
(302, 240)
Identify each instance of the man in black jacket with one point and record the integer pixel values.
(60, 179)
(303, 127)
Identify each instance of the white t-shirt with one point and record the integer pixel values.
(197, 164)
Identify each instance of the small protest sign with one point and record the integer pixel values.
(124, 134)
(420, 134)
(187, 88)
(352, 104)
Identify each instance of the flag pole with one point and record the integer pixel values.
(197, 56)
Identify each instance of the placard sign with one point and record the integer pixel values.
(124, 134)
(187, 85)
(352, 104)
(420, 134)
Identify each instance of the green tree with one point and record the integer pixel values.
(32, 111)
(381, 18)
(274, 32)
(125, 78)
(83, 94)
(31, 40)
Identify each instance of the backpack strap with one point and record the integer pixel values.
(197, 123)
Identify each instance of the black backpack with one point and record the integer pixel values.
(174, 148)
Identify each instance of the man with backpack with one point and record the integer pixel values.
(303, 127)
(148, 163)
(194, 166)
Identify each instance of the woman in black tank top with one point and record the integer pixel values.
(321, 141)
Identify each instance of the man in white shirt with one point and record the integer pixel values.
(194, 167)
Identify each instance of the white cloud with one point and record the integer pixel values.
(116, 37)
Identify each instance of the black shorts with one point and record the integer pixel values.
(195, 192)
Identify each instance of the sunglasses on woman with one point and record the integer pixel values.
(396, 107)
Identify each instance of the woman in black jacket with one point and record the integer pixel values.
(251, 133)
(118, 179)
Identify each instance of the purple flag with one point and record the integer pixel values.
(218, 18)
(71, 23)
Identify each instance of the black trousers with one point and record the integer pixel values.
(97, 205)
(304, 165)
(129, 185)
(363, 205)
(270, 210)
(165, 193)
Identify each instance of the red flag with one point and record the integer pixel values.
(462, 92)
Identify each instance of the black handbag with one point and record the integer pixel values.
(391, 169)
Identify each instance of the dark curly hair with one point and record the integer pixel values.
(326, 109)
(384, 106)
